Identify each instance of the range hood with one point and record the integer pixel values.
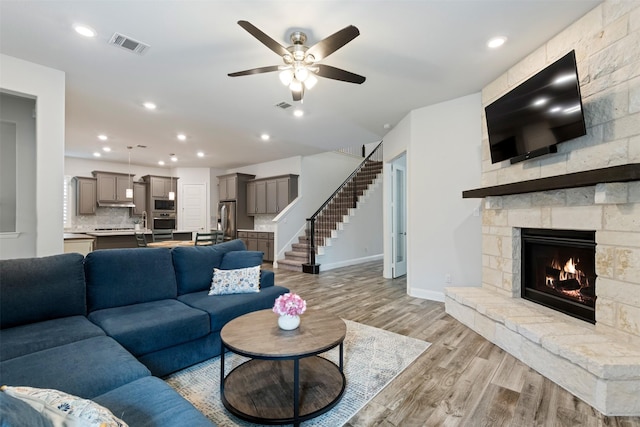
(116, 204)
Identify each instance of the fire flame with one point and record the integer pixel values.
(569, 271)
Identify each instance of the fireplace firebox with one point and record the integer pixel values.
(558, 270)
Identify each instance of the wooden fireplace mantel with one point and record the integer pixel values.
(622, 173)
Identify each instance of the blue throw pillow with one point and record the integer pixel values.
(241, 259)
(15, 412)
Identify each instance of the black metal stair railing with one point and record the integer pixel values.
(327, 217)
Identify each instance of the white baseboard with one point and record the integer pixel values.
(425, 294)
(355, 261)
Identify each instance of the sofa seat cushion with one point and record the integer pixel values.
(150, 402)
(37, 289)
(38, 336)
(194, 264)
(84, 368)
(223, 308)
(119, 277)
(151, 326)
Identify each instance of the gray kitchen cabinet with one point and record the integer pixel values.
(251, 198)
(86, 196)
(233, 186)
(261, 197)
(272, 194)
(265, 245)
(262, 241)
(111, 187)
(228, 187)
(161, 186)
(139, 198)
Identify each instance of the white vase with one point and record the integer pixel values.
(288, 323)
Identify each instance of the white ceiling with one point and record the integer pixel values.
(413, 54)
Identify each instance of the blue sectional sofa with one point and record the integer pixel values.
(106, 326)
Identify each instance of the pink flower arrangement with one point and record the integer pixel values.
(289, 304)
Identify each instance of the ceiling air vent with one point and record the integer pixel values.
(128, 43)
(283, 105)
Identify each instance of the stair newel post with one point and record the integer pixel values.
(311, 266)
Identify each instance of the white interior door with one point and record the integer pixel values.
(399, 218)
(194, 207)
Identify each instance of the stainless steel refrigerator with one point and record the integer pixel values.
(227, 220)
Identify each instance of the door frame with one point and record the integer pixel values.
(398, 163)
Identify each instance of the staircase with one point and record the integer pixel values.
(333, 213)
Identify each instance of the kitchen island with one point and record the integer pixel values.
(118, 239)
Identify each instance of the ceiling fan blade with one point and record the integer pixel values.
(334, 73)
(260, 70)
(263, 38)
(327, 46)
(297, 95)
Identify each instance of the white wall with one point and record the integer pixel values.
(320, 176)
(443, 231)
(290, 165)
(47, 86)
(18, 111)
(360, 240)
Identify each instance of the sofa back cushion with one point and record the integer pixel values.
(194, 264)
(37, 289)
(118, 277)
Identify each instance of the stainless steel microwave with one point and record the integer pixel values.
(164, 205)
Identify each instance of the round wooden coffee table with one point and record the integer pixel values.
(285, 381)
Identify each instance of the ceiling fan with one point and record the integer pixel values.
(301, 62)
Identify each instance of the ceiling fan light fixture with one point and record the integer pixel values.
(286, 76)
(295, 86)
(310, 81)
(301, 73)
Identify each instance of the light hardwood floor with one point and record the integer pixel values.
(461, 380)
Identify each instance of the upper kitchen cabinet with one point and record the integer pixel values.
(111, 187)
(139, 198)
(271, 195)
(85, 195)
(233, 186)
(161, 186)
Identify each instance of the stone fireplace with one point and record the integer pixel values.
(559, 270)
(579, 188)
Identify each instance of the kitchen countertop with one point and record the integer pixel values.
(76, 236)
(115, 233)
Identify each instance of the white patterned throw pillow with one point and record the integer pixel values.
(64, 409)
(238, 281)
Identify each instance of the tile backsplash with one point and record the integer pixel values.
(104, 218)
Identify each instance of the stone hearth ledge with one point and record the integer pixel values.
(600, 367)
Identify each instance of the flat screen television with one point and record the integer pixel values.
(532, 118)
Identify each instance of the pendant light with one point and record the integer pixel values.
(172, 195)
(128, 193)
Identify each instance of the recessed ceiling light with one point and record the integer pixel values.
(161, 163)
(84, 30)
(200, 154)
(103, 137)
(182, 137)
(106, 149)
(265, 137)
(496, 42)
(96, 154)
(174, 159)
(149, 105)
(298, 113)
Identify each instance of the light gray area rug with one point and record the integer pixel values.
(372, 358)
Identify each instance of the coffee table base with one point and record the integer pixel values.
(262, 391)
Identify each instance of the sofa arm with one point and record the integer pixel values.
(266, 278)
